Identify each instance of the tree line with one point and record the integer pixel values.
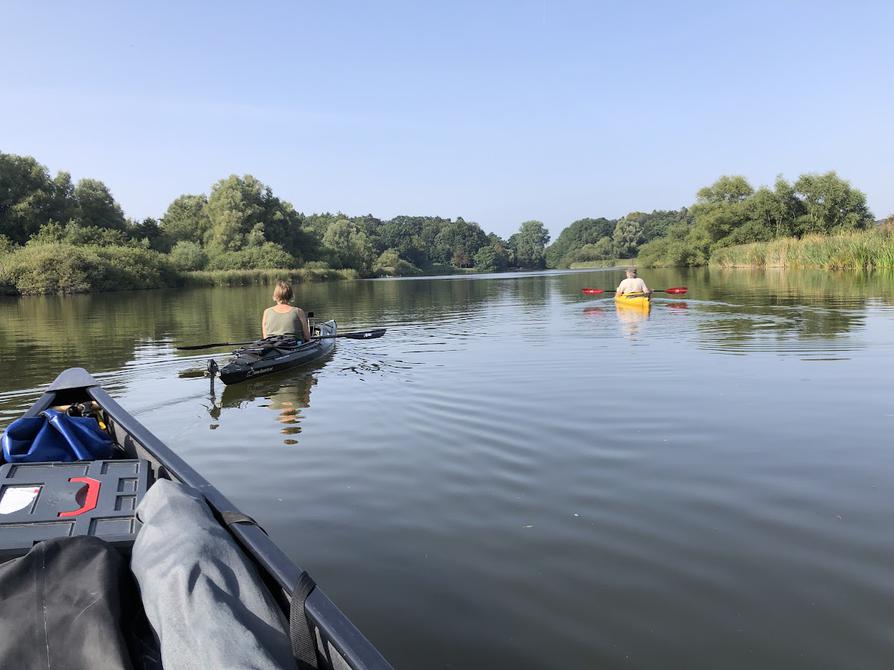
(727, 213)
(241, 224)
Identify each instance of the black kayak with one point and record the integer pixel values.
(338, 643)
(277, 353)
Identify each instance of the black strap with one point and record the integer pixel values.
(231, 518)
(304, 648)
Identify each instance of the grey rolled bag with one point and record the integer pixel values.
(204, 599)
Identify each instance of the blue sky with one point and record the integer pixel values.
(495, 111)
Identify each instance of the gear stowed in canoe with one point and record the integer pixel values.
(276, 353)
(212, 585)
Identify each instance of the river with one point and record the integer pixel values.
(517, 475)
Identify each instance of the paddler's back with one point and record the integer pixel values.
(281, 323)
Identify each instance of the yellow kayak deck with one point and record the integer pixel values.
(635, 300)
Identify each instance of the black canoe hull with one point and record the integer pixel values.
(233, 373)
(341, 644)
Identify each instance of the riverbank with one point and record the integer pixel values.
(63, 268)
(585, 265)
(859, 250)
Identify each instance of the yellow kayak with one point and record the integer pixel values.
(634, 300)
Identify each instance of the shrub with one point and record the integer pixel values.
(265, 256)
(391, 264)
(66, 268)
(187, 256)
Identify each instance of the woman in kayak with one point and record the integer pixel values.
(282, 318)
(632, 284)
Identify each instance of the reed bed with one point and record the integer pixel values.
(859, 250)
(250, 277)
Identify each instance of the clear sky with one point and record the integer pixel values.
(495, 111)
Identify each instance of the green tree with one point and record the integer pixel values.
(235, 209)
(529, 244)
(603, 249)
(29, 198)
(831, 204)
(575, 236)
(726, 190)
(627, 236)
(459, 241)
(491, 258)
(348, 247)
(186, 219)
(96, 206)
(243, 212)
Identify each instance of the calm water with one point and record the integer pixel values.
(518, 476)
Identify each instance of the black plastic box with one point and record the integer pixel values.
(39, 501)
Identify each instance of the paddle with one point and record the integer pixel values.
(361, 335)
(676, 290)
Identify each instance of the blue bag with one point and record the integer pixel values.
(55, 436)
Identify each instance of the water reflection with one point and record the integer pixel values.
(288, 396)
(632, 319)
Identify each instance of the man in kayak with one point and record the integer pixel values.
(282, 318)
(632, 284)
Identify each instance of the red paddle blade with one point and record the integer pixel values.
(679, 290)
(591, 291)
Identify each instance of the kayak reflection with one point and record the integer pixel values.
(631, 318)
(288, 397)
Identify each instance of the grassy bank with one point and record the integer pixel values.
(862, 250)
(599, 264)
(59, 267)
(248, 277)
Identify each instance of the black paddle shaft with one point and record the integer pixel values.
(361, 335)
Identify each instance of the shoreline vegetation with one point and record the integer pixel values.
(60, 237)
(861, 250)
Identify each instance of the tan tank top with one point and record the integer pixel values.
(280, 323)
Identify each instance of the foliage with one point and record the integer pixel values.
(830, 205)
(457, 242)
(96, 206)
(491, 258)
(391, 264)
(30, 198)
(243, 226)
(603, 249)
(65, 268)
(188, 256)
(627, 235)
(730, 213)
(265, 255)
(529, 244)
(6, 245)
(79, 235)
(347, 246)
(579, 234)
(186, 219)
(271, 276)
(243, 213)
(851, 250)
